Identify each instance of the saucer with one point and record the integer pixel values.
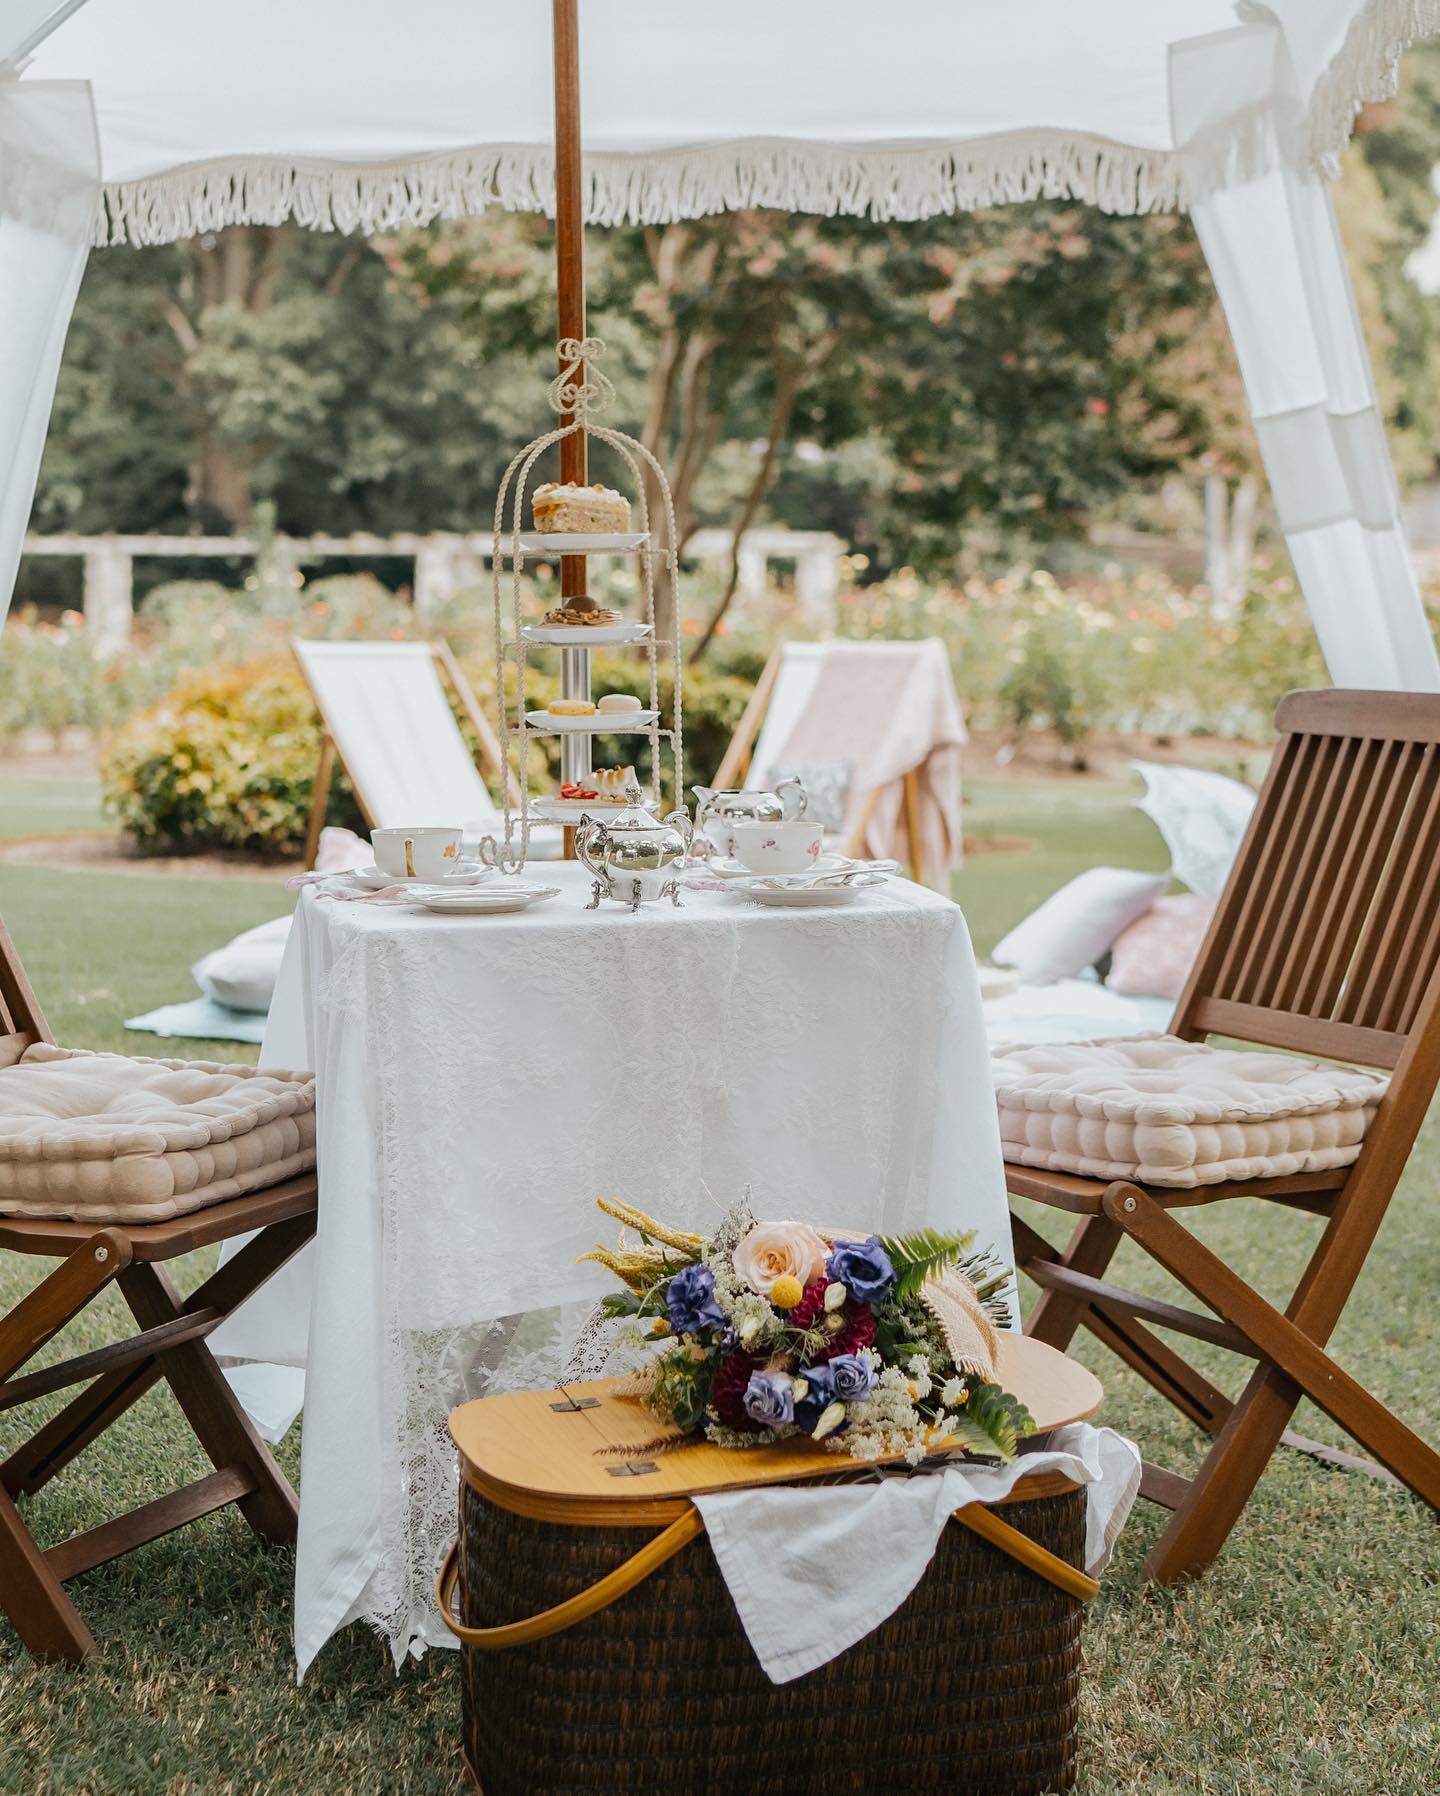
(467, 873)
(509, 896)
(727, 867)
(764, 891)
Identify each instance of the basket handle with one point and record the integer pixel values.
(679, 1534)
(574, 1609)
(989, 1526)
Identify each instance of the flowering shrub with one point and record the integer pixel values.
(227, 760)
(1130, 655)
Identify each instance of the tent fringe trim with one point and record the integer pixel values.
(1366, 67)
(899, 182)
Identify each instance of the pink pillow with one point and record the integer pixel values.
(1153, 957)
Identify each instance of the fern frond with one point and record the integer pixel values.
(998, 1418)
(919, 1256)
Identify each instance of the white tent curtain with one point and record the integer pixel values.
(49, 190)
(357, 114)
(1279, 267)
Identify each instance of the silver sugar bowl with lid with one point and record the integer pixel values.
(635, 855)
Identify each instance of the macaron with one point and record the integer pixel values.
(619, 701)
(570, 707)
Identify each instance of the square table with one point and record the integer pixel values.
(481, 1080)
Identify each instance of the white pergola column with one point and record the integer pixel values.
(1279, 267)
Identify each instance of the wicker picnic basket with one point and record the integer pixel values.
(593, 1666)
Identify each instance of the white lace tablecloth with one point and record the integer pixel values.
(482, 1079)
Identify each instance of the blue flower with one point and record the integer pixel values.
(770, 1399)
(845, 1379)
(851, 1377)
(818, 1398)
(864, 1268)
(692, 1303)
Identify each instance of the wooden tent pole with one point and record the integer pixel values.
(570, 317)
(569, 240)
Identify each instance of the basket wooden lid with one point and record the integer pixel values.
(544, 1453)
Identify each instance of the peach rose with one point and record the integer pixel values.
(775, 1250)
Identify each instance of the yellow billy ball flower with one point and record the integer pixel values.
(786, 1292)
(659, 1326)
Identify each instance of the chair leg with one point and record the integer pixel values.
(32, 1465)
(76, 1281)
(214, 1413)
(1057, 1314)
(1130, 1340)
(1296, 1364)
(47, 1622)
(51, 1448)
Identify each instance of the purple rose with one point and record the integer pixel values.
(770, 1399)
(851, 1377)
(691, 1301)
(818, 1398)
(864, 1268)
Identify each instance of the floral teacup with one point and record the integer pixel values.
(790, 847)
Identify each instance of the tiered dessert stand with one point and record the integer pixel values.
(578, 393)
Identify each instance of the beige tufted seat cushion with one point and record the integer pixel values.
(105, 1138)
(1163, 1111)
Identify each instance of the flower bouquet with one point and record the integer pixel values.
(882, 1347)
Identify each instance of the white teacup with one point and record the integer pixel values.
(790, 847)
(425, 853)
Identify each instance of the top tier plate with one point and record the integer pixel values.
(565, 542)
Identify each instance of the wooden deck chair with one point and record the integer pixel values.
(386, 715)
(1326, 941)
(170, 1345)
(778, 704)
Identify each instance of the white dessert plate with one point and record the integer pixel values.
(580, 542)
(599, 723)
(799, 896)
(571, 810)
(729, 868)
(509, 895)
(596, 635)
(467, 873)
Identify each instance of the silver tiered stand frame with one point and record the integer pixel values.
(578, 392)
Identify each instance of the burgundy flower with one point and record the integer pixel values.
(732, 1380)
(857, 1323)
(810, 1307)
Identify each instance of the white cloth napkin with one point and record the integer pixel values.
(813, 1568)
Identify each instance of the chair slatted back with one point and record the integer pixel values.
(1326, 939)
(22, 1022)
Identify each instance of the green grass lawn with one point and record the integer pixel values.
(1306, 1663)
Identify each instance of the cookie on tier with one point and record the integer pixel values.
(580, 510)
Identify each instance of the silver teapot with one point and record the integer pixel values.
(720, 811)
(635, 854)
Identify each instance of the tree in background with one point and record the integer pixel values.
(928, 391)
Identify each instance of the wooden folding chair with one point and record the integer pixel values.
(1325, 941)
(386, 717)
(735, 768)
(170, 1345)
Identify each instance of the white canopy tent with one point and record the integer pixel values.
(146, 120)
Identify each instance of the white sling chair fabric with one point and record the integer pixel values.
(392, 725)
(386, 710)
